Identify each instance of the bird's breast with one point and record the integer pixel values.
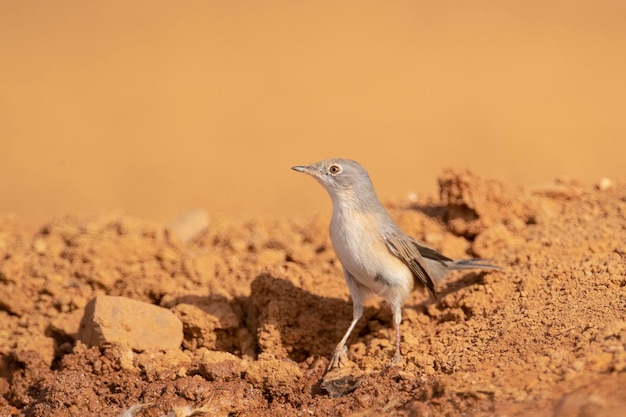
(360, 246)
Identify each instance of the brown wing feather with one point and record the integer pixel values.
(404, 248)
(430, 253)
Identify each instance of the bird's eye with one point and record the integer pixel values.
(334, 169)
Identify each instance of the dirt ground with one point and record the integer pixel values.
(263, 303)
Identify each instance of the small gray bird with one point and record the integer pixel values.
(376, 255)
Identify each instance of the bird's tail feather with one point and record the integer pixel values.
(439, 269)
(476, 263)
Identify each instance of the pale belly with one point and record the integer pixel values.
(362, 251)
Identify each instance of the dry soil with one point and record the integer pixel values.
(263, 304)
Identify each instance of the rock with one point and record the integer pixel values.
(189, 224)
(604, 184)
(279, 376)
(68, 324)
(220, 366)
(342, 381)
(34, 351)
(129, 323)
(12, 268)
(15, 301)
(174, 361)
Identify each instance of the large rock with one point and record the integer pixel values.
(129, 323)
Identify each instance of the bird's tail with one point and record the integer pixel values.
(438, 269)
(476, 263)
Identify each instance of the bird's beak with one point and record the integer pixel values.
(306, 169)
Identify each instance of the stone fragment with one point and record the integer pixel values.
(220, 366)
(129, 323)
(15, 301)
(342, 381)
(68, 324)
(276, 375)
(34, 350)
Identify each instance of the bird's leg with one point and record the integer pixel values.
(339, 355)
(397, 319)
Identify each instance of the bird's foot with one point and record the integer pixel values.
(338, 359)
(397, 360)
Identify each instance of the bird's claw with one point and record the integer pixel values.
(338, 359)
(397, 359)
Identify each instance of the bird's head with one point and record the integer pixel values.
(344, 179)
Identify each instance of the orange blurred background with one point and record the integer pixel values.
(156, 107)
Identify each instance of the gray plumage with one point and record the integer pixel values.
(376, 255)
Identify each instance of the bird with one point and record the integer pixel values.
(376, 256)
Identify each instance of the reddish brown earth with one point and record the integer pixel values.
(263, 304)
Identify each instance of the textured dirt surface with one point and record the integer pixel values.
(263, 304)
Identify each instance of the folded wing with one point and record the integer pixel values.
(408, 251)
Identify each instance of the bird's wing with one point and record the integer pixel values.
(430, 253)
(408, 251)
